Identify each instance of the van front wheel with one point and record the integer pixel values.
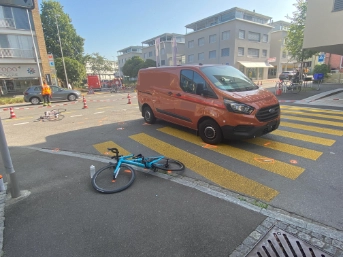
(210, 132)
(148, 115)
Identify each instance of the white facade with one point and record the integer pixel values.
(105, 75)
(165, 49)
(126, 54)
(323, 26)
(18, 66)
(236, 37)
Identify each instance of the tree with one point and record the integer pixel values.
(133, 65)
(321, 68)
(76, 70)
(72, 44)
(98, 64)
(295, 36)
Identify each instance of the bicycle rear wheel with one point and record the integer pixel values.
(103, 181)
(56, 117)
(296, 88)
(168, 164)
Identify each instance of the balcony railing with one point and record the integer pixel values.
(16, 53)
(7, 23)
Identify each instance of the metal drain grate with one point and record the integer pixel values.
(278, 243)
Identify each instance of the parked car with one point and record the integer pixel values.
(286, 75)
(33, 94)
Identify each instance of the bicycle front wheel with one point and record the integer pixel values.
(56, 117)
(103, 180)
(296, 89)
(168, 164)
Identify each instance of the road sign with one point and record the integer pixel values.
(272, 59)
(51, 63)
(321, 58)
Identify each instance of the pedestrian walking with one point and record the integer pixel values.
(46, 93)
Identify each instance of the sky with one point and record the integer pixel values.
(111, 25)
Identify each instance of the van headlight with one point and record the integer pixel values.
(233, 106)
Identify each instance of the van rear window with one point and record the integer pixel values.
(228, 78)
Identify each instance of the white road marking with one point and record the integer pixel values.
(76, 116)
(21, 123)
(98, 112)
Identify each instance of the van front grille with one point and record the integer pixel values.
(268, 113)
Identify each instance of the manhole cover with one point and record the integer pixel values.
(279, 243)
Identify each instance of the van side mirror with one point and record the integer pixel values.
(202, 90)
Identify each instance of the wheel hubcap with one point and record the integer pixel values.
(210, 132)
(147, 115)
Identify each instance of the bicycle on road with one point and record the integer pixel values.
(289, 85)
(116, 177)
(53, 115)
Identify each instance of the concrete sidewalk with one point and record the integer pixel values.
(158, 215)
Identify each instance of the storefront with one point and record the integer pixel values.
(15, 78)
(255, 70)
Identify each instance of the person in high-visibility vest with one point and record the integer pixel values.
(46, 93)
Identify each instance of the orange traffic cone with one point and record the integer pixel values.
(261, 83)
(12, 114)
(128, 95)
(128, 99)
(84, 103)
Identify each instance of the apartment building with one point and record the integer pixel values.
(105, 75)
(324, 34)
(279, 56)
(127, 53)
(19, 44)
(236, 37)
(165, 49)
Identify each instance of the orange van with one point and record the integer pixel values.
(217, 101)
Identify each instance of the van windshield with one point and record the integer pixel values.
(228, 78)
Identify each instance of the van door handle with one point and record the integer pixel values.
(178, 94)
(170, 93)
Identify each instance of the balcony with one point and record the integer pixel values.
(16, 53)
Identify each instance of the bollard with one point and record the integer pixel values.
(84, 103)
(2, 185)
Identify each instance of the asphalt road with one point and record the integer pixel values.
(297, 168)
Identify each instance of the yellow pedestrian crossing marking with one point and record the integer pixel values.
(280, 168)
(304, 137)
(102, 148)
(325, 116)
(312, 128)
(219, 175)
(288, 107)
(286, 148)
(324, 122)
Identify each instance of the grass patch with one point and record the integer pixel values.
(11, 100)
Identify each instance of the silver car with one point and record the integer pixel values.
(34, 94)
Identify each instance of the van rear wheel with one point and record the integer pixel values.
(148, 115)
(210, 132)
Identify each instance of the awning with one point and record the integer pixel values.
(256, 65)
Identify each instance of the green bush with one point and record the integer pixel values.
(11, 100)
(323, 68)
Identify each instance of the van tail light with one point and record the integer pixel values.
(236, 107)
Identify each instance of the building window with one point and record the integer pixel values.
(265, 38)
(191, 44)
(162, 51)
(241, 34)
(201, 41)
(252, 52)
(150, 54)
(225, 52)
(201, 56)
(252, 36)
(212, 54)
(163, 62)
(240, 51)
(212, 38)
(191, 58)
(284, 54)
(264, 53)
(225, 35)
(338, 5)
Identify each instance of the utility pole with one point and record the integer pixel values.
(59, 38)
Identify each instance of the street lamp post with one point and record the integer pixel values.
(59, 39)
